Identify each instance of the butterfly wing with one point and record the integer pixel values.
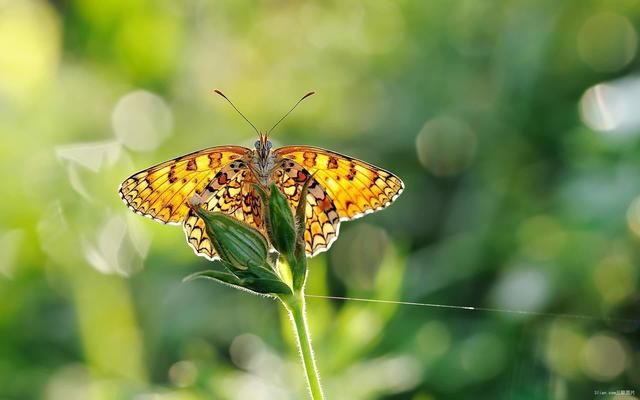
(161, 192)
(341, 188)
(322, 220)
(231, 192)
(354, 186)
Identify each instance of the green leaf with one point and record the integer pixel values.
(267, 286)
(263, 280)
(224, 277)
(260, 280)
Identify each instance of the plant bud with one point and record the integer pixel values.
(239, 245)
(281, 225)
(298, 260)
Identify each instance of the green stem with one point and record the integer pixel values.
(295, 305)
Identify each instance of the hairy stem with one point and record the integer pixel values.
(295, 305)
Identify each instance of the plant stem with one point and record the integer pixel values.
(295, 305)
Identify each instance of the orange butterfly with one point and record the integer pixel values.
(341, 188)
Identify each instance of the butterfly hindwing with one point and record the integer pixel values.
(355, 187)
(161, 192)
(231, 192)
(322, 223)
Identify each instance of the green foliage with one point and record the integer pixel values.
(243, 251)
(505, 119)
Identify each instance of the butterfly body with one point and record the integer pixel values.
(223, 178)
(262, 160)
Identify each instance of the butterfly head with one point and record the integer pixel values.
(263, 144)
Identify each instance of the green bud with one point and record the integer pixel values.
(281, 223)
(239, 245)
(286, 233)
(298, 260)
(301, 210)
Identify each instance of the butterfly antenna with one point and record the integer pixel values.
(236, 108)
(289, 112)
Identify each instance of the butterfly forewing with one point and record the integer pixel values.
(161, 192)
(354, 186)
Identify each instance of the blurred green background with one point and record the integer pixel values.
(514, 125)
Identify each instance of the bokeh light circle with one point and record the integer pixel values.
(445, 146)
(244, 350)
(358, 256)
(183, 373)
(523, 288)
(483, 356)
(610, 107)
(607, 42)
(141, 120)
(433, 340)
(615, 278)
(601, 107)
(563, 348)
(604, 357)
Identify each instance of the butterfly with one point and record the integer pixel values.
(340, 188)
